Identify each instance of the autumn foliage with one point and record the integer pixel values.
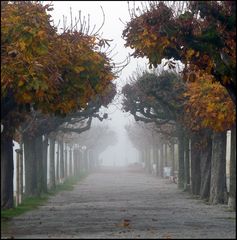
(202, 37)
(208, 106)
(49, 71)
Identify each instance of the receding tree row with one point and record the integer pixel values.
(196, 106)
(51, 159)
(53, 83)
(160, 102)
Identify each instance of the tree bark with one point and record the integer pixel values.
(6, 171)
(45, 164)
(172, 159)
(21, 172)
(70, 162)
(166, 155)
(57, 164)
(85, 159)
(232, 192)
(186, 165)
(52, 182)
(181, 171)
(75, 158)
(92, 160)
(148, 152)
(39, 164)
(144, 156)
(205, 168)
(195, 166)
(61, 161)
(65, 162)
(30, 166)
(156, 159)
(161, 161)
(218, 191)
(18, 153)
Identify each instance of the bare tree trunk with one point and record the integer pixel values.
(140, 156)
(85, 159)
(21, 172)
(205, 168)
(172, 159)
(6, 171)
(148, 152)
(57, 165)
(161, 161)
(39, 164)
(145, 160)
(44, 164)
(195, 166)
(65, 162)
(52, 182)
(218, 191)
(96, 157)
(70, 162)
(186, 165)
(144, 156)
(30, 166)
(92, 160)
(232, 193)
(75, 158)
(166, 155)
(61, 161)
(157, 159)
(181, 171)
(81, 164)
(17, 201)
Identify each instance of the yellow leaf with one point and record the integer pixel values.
(20, 83)
(26, 97)
(41, 34)
(79, 69)
(190, 53)
(221, 117)
(22, 45)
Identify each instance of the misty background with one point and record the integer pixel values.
(116, 15)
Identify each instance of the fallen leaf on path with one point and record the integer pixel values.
(123, 210)
(167, 236)
(125, 223)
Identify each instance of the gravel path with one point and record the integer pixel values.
(120, 204)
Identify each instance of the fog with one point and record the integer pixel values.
(122, 152)
(136, 168)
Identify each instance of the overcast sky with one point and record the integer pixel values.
(112, 29)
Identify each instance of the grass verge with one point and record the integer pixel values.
(31, 203)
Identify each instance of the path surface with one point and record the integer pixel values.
(99, 206)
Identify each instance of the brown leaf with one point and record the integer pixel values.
(125, 223)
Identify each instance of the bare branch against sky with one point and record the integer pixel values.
(115, 15)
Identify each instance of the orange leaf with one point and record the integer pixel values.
(26, 97)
